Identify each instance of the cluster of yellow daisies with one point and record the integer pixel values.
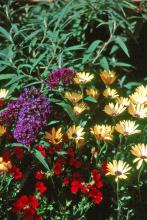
(135, 105)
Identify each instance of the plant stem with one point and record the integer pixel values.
(118, 204)
(139, 174)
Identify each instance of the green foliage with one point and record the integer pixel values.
(36, 38)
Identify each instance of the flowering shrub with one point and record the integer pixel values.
(55, 166)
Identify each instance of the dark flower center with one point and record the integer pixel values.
(143, 157)
(118, 173)
(74, 135)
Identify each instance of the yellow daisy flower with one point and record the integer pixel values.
(54, 136)
(138, 98)
(79, 108)
(75, 133)
(127, 127)
(140, 151)
(73, 97)
(80, 143)
(119, 169)
(108, 77)
(83, 78)
(141, 89)
(4, 166)
(114, 109)
(2, 130)
(123, 101)
(102, 132)
(3, 93)
(110, 93)
(138, 111)
(92, 92)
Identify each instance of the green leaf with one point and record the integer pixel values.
(90, 99)
(104, 63)
(39, 156)
(69, 110)
(38, 60)
(120, 42)
(5, 34)
(90, 50)
(7, 76)
(132, 84)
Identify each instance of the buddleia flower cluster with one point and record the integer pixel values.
(30, 111)
(59, 76)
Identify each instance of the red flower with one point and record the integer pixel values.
(75, 186)
(39, 175)
(40, 147)
(70, 151)
(104, 167)
(1, 104)
(84, 189)
(98, 198)
(33, 202)
(20, 204)
(43, 153)
(77, 176)
(16, 173)
(66, 181)
(41, 187)
(99, 184)
(75, 163)
(95, 194)
(18, 151)
(10, 136)
(51, 150)
(61, 160)
(58, 147)
(6, 155)
(57, 168)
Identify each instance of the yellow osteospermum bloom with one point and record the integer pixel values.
(54, 136)
(118, 168)
(140, 151)
(138, 111)
(79, 108)
(141, 89)
(102, 132)
(2, 130)
(138, 98)
(3, 93)
(108, 77)
(82, 78)
(127, 127)
(75, 133)
(4, 166)
(73, 97)
(110, 93)
(114, 109)
(92, 92)
(123, 101)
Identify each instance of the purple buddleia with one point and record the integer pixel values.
(59, 76)
(30, 112)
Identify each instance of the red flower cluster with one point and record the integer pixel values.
(27, 206)
(104, 167)
(57, 168)
(92, 191)
(18, 151)
(42, 150)
(41, 187)
(16, 173)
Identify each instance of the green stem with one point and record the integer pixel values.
(139, 175)
(118, 203)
